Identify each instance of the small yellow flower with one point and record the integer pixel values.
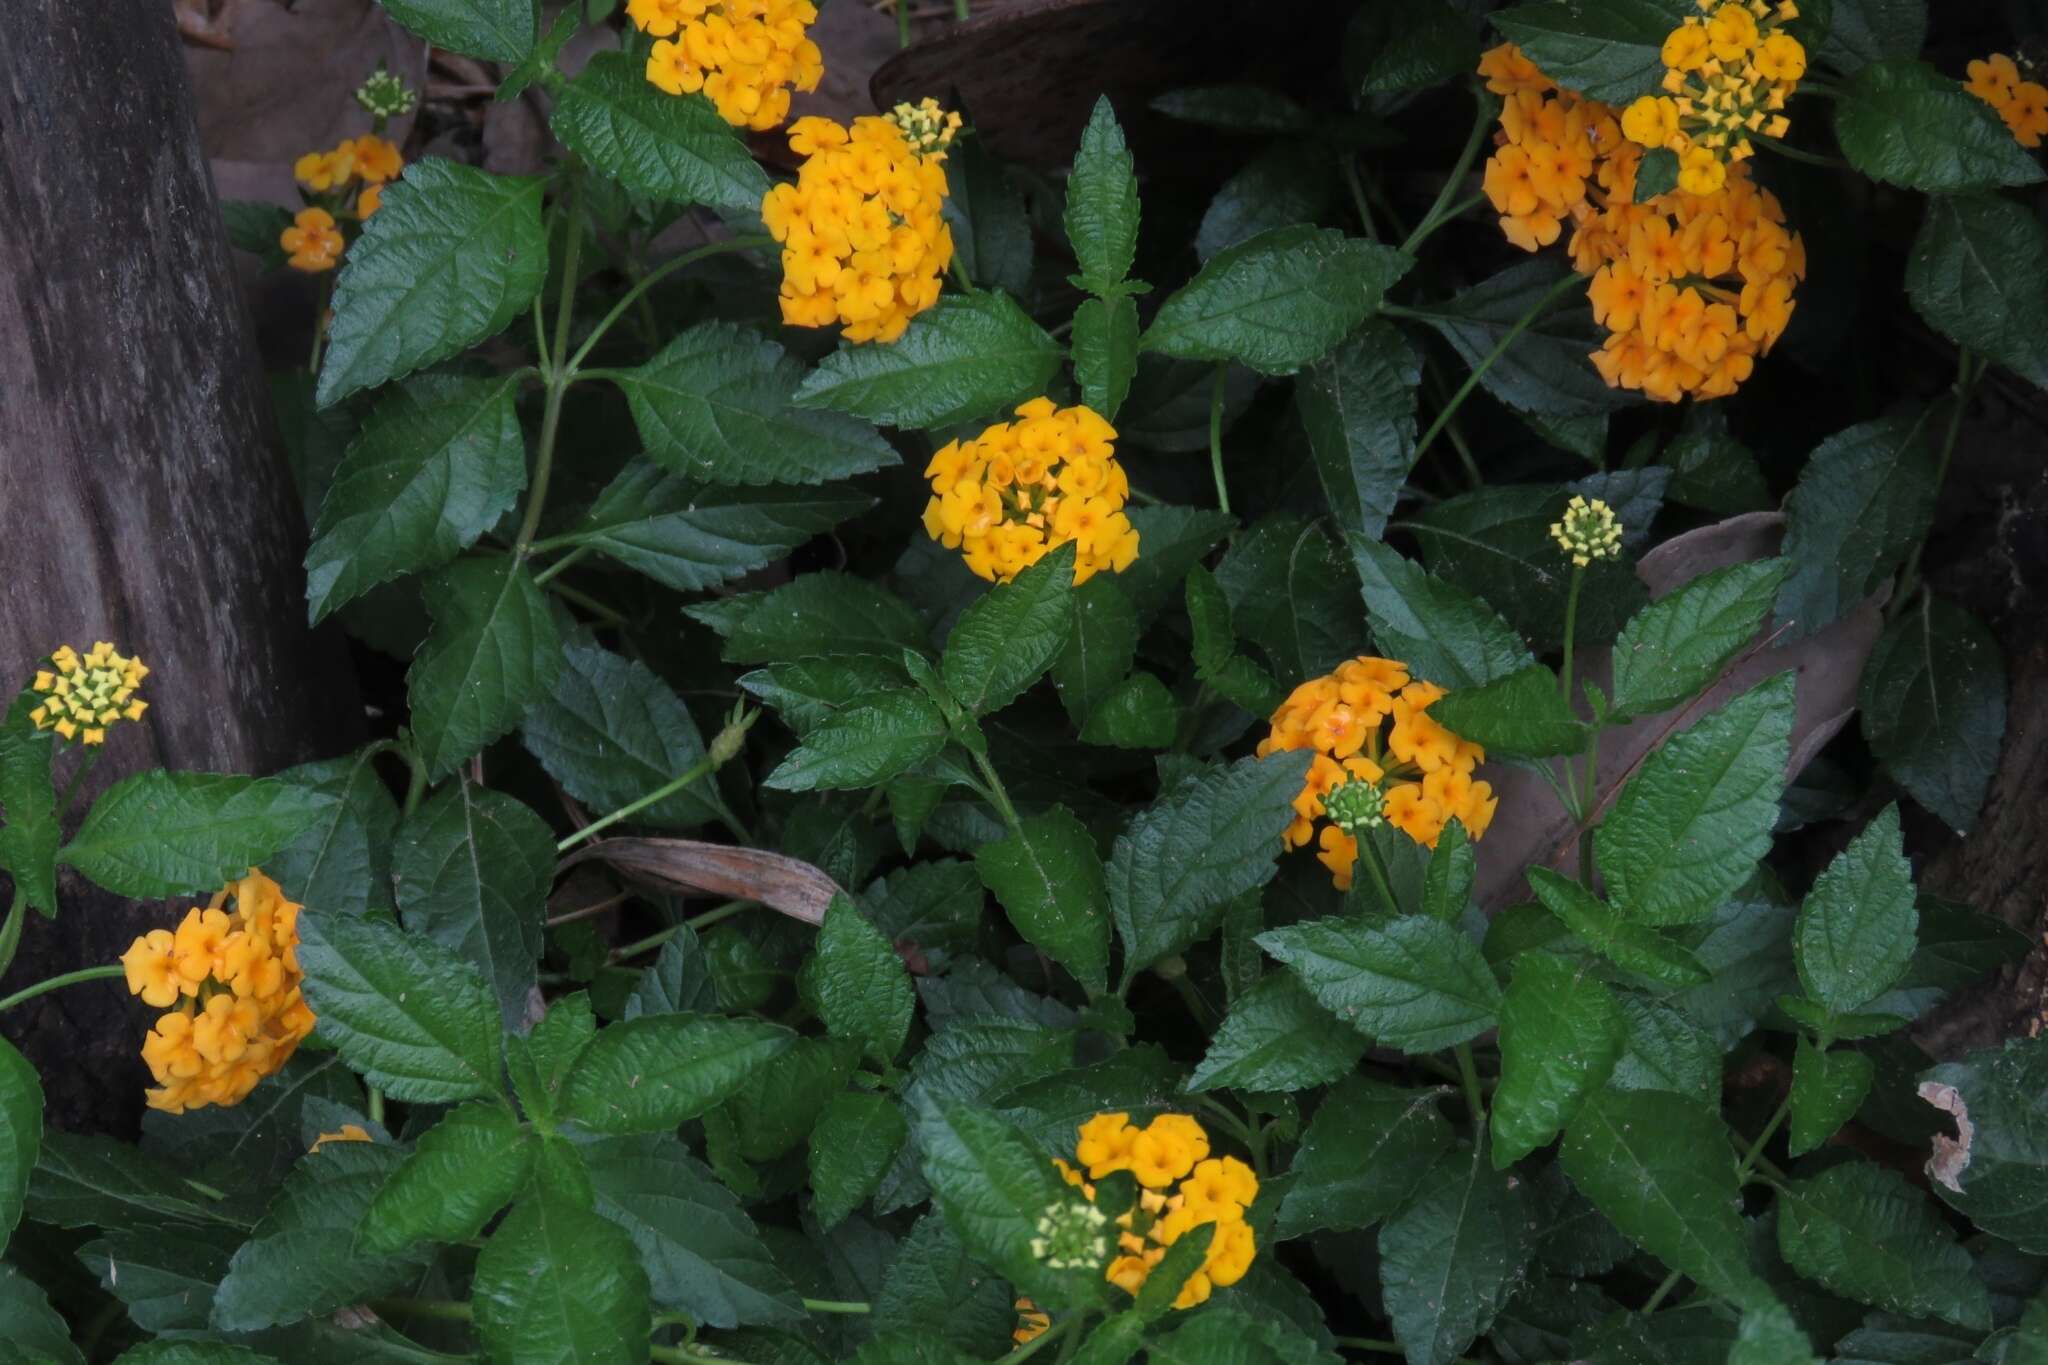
(2022, 104)
(743, 55)
(1588, 531)
(350, 1132)
(312, 242)
(1700, 172)
(1032, 1322)
(926, 127)
(84, 694)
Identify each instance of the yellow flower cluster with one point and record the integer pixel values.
(351, 178)
(1171, 1150)
(1022, 489)
(1032, 1322)
(1420, 772)
(864, 240)
(2023, 104)
(1727, 75)
(234, 979)
(1587, 531)
(1692, 287)
(743, 54)
(84, 694)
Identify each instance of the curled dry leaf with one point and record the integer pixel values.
(1951, 1155)
(691, 867)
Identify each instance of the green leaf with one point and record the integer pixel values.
(1854, 935)
(559, 1283)
(161, 834)
(541, 1061)
(452, 255)
(937, 1292)
(715, 404)
(993, 1187)
(1290, 595)
(1609, 50)
(1667, 1050)
(98, 1182)
(702, 1253)
(1997, 1174)
(1215, 635)
(1099, 649)
(1278, 301)
(1450, 638)
(164, 1274)
(807, 691)
(254, 225)
(1291, 182)
(673, 151)
(1639, 1156)
(1861, 31)
(1561, 1032)
(493, 652)
(1140, 1080)
(496, 30)
(852, 1147)
(1277, 1038)
(1933, 706)
(1048, 878)
(1827, 1090)
(969, 357)
(1902, 122)
(1520, 716)
(1228, 1336)
(1368, 1146)
(1542, 372)
(208, 1353)
(649, 1074)
(439, 461)
(462, 1171)
(681, 981)
(28, 801)
(1862, 1232)
(1447, 881)
(1102, 204)
(34, 1331)
(864, 743)
(687, 536)
(1711, 470)
(1978, 273)
(1450, 1261)
(21, 1133)
(991, 231)
(1670, 650)
(1209, 840)
(414, 1018)
(1656, 174)
(1138, 713)
(1863, 502)
(342, 863)
(473, 868)
(1176, 539)
(1771, 1336)
(858, 984)
(1357, 405)
(301, 1259)
(1689, 827)
(1011, 634)
(1411, 983)
(1104, 344)
(817, 615)
(1238, 107)
(612, 732)
(1386, 53)
(1634, 947)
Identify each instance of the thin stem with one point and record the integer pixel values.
(960, 10)
(443, 1310)
(1522, 324)
(1450, 215)
(78, 977)
(1057, 1332)
(697, 770)
(540, 335)
(676, 1355)
(1791, 153)
(1468, 1075)
(564, 562)
(836, 1306)
(652, 278)
(590, 911)
(696, 922)
(1369, 854)
(1756, 1148)
(959, 274)
(1482, 118)
(1592, 803)
(1968, 372)
(1571, 629)
(1349, 165)
(416, 785)
(1216, 435)
(997, 793)
(590, 604)
(376, 1106)
(77, 780)
(320, 322)
(10, 932)
(1663, 1291)
(902, 23)
(557, 375)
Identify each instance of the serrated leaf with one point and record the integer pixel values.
(649, 1074)
(935, 1291)
(164, 1275)
(1368, 1146)
(496, 30)
(162, 834)
(1670, 650)
(1412, 982)
(451, 256)
(33, 1329)
(1861, 1231)
(493, 652)
(1289, 593)
(1863, 502)
(1277, 1038)
(21, 1133)
(1635, 947)
(473, 868)
(1102, 203)
(1011, 634)
(462, 1171)
(1688, 828)
(98, 1182)
(817, 615)
(1827, 1090)
(804, 692)
(1176, 539)
(864, 743)
(1711, 470)
(1933, 707)
(674, 151)
(1561, 1032)
(1447, 881)
(254, 225)
(1236, 107)
(560, 1283)
(716, 405)
(969, 357)
(1278, 301)
(1854, 935)
(1542, 372)
(1099, 648)
(414, 1018)
(1902, 122)
(1137, 713)
(1228, 1336)
(1520, 716)
(1049, 879)
(1451, 1260)
(439, 461)
(1294, 181)
(992, 1188)
(1429, 44)
(1446, 635)
(1104, 343)
(1357, 405)
(1609, 50)
(1997, 1176)
(541, 1061)
(856, 1139)
(1209, 840)
(1667, 1050)
(991, 231)
(858, 984)
(1978, 273)
(343, 861)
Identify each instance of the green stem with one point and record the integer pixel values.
(1057, 1332)
(1968, 372)
(320, 321)
(1369, 854)
(676, 1355)
(590, 604)
(1791, 153)
(564, 562)
(960, 10)
(836, 1306)
(1216, 435)
(652, 278)
(10, 932)
(959, 274)
(1571, 629)
(78, 977)
(540, 334)
(376, 1106)
(558, 376)
(416, 785)
(1756, 1148)
(701, 768)
(1592, 803)
(997, 792)
(1464, 390)
(1485, 111)
(1349, 165)
(443, 1310)
(902, 23)
(1468, 1074)
(70, 793)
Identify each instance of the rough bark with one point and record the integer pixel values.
(142, 499)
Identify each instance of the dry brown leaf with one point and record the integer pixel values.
(690, 867)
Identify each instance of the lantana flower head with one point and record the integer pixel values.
(1587, 531)
(349, 180)
(1370, 728)
(2021, 103)
(1727, 75)
(742, 55)
(312, 243)
(1022, 489)
(385, 95)
(83, 694)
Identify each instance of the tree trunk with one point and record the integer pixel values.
(142, 498)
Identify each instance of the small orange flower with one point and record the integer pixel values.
(312, 240)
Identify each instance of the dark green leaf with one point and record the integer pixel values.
(1520, 716)
(1670, 650)
(1667, 1050)
(1105, 350)
(991, 231)
(1293, 182)
(1368, 1146)
(1450, 1261)
(1447, 882)
(1827, 1090)
(1978, 272)
(817, 615)
(1863, 502)
(1236, 108)
(1902, 122)
(541, 1061)
(1445, 635)
(970, 357)
(34, 1331)
(1357, 405)
(1175, 540)
(28, 802)
(165, 1275)
(864, 743)
(1049, 880)
(98, 1182)
(1099, 648)
(343, 862)
(21, 1132)
(463, 1170)
(1933, 704)
(858, 984)
(1277, 1038)
(856, 1139)
(1863, 1232)
(937, 1292)
(1561, 1032)
(1137, 713)
(612, 732)
(1855, 930)
(493, 652)
(775, 1111)
(1412, 983)
(1386, 52)
(649, 1074)
(674, 151)
(993, 1187)
(980, 1058)
(160, 834)
(1011, 634)
(1635, 947)
(254, 226)
(1102, 203)
(1141, 1081)
(1543, 371)
(1608, 50)
(1713, 471)
(1290, 594)
(496, 30)
(1656, 174)
(806, 691)
(1771, 1336)
(1229, 1336)
(1861, 31)
(560, 1283)
(1997, 1174)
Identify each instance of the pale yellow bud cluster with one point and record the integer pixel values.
(84, 694)
(1588, 531)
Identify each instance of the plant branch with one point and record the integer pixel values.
(1464, 390)
(79, 977)
(1216, 435)
(652, 278)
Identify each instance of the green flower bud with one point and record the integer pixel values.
(1353, 807)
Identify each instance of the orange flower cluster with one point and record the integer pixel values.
(864, 239)
(2023, 104)
(351, 179)
(1727, 75)
(743, 54)
(234, 979)
(1022, 489)
(1417, 777)
(1693, 287)
(1171, 1149)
